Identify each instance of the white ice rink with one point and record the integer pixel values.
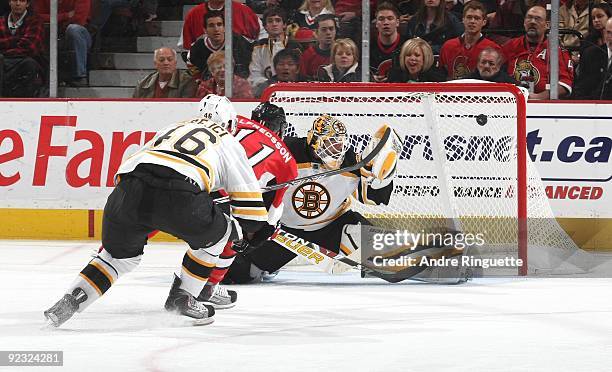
(305, 321)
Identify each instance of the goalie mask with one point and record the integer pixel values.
(328, 140)
(272, 117)
(220, 110)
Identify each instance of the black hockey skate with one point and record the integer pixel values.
(65, 308)
(218, 296)
(182, 302)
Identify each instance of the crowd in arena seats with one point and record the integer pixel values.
(320, 41)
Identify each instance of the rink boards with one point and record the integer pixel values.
(58, 158)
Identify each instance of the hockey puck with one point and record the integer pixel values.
(481, 119)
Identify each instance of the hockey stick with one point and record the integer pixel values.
(320, 256)
(360, 164)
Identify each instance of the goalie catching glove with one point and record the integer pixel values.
(380, 171)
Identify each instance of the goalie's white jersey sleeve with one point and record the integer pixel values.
(209, 156)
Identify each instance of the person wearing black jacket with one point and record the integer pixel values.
(415, 64)
(595, 76)
(489, 67)
(434, 24)
(345, 63)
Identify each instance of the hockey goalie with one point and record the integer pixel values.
(319, 210)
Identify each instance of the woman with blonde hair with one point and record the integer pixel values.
(309, 10)
(415, 64)
(344, 66)
(216, 84)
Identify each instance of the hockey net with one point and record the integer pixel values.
(463, 163)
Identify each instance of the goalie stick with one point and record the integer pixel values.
(320, 256)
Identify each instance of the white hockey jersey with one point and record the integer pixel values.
(313, 205)
(210, 157)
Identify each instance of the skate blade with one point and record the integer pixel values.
(202, 322)
(219, 307)
(50, 323)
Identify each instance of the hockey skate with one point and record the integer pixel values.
(217, 296)
(65, 308)
(182, 302)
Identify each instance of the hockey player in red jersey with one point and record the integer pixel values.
(319, 210)
(272, 162)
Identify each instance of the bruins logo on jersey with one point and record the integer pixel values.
(460, 67)
(525, 71)
(310, 200)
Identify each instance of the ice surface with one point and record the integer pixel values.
(305, 321)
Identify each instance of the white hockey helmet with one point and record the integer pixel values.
(220, 110)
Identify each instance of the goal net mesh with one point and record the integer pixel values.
(458, 165)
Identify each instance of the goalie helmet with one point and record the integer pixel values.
(220, 110)
(272, 117)
(328, 140)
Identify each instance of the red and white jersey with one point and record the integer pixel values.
(270, 158)
(526, 65)
(458, 60)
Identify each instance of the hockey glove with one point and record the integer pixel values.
(381, 170)
(261, 235)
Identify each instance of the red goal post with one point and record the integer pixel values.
(454, 135)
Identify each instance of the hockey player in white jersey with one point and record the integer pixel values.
(165, 186)
(319, 210)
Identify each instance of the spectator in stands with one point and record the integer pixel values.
(458, 56)
(72, 17)
(434, 24)
(310, 10)
(527, 58)
(214, 40)
(275, 23)
(21, 45)
(386, 41)
(303, 36)
(287, 67)
(244, 22)
(574, 15)
(216, 84)
(167, 81)
(349, 18)
(489, 67)
(319, 55)
(593, 82)
(345, 63)
(260, 6)
(509, 15)
(599, 16)
(415, 64)
(105, 8)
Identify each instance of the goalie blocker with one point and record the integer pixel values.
(318, 210)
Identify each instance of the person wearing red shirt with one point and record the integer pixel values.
(386, 42)
(244, 22)
(72, 16)
(458, 56)
(319, 55)
(21, 44)
(527, 58)
(262, 139)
